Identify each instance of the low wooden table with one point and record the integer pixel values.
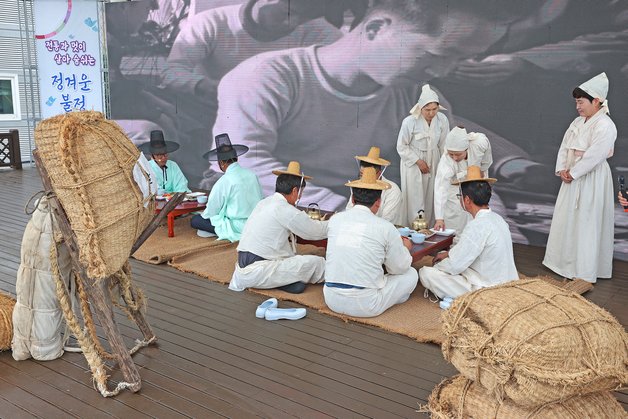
(431, 246)
(183, 208)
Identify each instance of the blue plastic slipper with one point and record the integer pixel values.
(285, 313)
(261, 309)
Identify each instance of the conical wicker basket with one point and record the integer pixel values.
(90, 162)
(459, 397)
(6, 321)
(535, 343)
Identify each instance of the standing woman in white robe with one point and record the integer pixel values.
(462, 149)
(420, 144)
(580, 243)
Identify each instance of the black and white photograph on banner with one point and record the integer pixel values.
(322, 82)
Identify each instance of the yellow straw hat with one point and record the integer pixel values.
(373, 157)
(294, 169)
(474, 174)
(369, 181)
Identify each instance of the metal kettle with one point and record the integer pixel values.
(314, 211)
(419, 223)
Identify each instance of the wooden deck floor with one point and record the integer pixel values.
(215, 359)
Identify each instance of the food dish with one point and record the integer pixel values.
(428, 233)
(445, 232)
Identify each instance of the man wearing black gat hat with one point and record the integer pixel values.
(232, 198)
(169, 176)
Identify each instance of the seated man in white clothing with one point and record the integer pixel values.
(170, 178)
(359, 246)
(483, 256)
(267, 255)
(391, 206)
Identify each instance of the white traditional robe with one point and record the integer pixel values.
(482, 258)
(266, 234)
(447, 205)
(392, 204)
(580, 242)
(419, 141)
(359, 244)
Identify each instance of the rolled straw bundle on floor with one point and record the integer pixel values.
(90, 163)
(459, 397)
(6, 321)
(535, 343)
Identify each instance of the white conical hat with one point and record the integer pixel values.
(597, 87)
(457, 140)
(427, 96)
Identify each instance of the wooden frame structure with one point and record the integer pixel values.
(99, 300)
(10, 154)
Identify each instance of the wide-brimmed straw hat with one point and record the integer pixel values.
(369, 181)
(373, 157)
(294, 169)
(224, 149)
(158, 145)
(474, 174)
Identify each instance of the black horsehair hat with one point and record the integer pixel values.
(224, 149)
(158, 145)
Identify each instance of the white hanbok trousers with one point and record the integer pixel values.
(371, 302)
(444, 285)
(267, 274)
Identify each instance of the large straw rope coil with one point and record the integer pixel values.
(6, 321)
(459, 397)
(535, 343)
(90, 162)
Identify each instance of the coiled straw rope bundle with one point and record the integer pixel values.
(90, 162)
(459, 397)
(6, 321)
(535, 343)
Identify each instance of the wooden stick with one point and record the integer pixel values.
(157, 219)
(93, 288)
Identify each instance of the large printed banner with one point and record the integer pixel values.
(322, 81)
(68, 56)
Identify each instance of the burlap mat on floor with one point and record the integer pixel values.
(417, 318)
(159, 248)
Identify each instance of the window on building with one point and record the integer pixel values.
(9, 98)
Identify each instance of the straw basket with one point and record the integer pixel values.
(90, 163)
(6, 321)
(458, 397)
(535, 343)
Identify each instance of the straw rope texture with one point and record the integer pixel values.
(90, 163)
(535, 343)
(459, 397)
(6, 321)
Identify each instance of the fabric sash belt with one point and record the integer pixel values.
(343, 286)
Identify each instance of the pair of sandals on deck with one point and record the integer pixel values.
(268, 310)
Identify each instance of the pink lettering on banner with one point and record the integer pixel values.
(63, 46)
(78, 46)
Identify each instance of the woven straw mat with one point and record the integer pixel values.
(535, 343)
(458, 397)
(6, 321)
(90, 163)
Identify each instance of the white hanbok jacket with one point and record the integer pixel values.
(419, 141)
(580, 243)
(392, 204)
(485, 246)
(447, 205)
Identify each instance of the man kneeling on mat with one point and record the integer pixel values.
(267, 256)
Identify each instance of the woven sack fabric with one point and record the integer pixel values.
(535, 343)
(90, 163)
(6, 321)
(459, 397)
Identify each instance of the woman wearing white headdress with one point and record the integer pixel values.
(462, 149)
(580, 243)
(420, 144)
